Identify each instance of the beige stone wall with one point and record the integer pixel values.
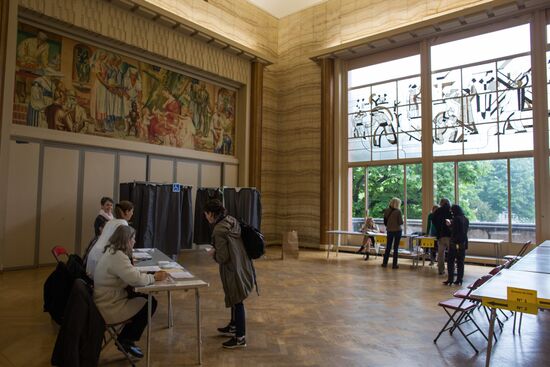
(300, 36)
(237, 20)
(108, 20)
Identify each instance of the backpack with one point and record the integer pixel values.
(253, 241)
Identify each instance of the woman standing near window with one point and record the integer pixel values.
(393, 219)
(459, 243)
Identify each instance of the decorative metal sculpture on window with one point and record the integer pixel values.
(476, 109)
(385, 120)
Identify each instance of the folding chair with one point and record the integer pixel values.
(57, 251)
(460, 311)
(520, 254)
(114, 330)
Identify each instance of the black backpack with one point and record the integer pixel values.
(253, 241)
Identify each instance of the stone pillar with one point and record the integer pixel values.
(327, 149)
(256, 106)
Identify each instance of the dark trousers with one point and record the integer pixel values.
(238, 319)
(132, 331)
(393, 240)
(458, 252)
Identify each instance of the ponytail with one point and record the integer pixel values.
(122, 207)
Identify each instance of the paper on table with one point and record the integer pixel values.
(180, 274)
(141, 256)
(169, 265)
(144, 249)
(145, 269)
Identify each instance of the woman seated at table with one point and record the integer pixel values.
(123, 213)
(368, 241)
(114, 276)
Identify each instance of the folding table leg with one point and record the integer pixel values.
(490, 341)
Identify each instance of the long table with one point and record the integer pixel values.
(496, 245)
(339, 234)
(169, 285)
(530, 272)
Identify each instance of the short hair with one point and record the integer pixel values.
(395, 203)
(215, 207)
(120, 239)
(122, 208)
(105, 200)
(444, 202)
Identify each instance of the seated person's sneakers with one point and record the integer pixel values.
(229, 330)
(235, 342)
(131, 349)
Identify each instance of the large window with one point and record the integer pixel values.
(482, 94)
(384, 111)
(481, 126)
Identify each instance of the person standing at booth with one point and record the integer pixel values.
(393, 220)
(236, 269)
(443, 232)
(459, 226)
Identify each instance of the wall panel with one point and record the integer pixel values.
(98, 181)
(230, 175)
(21, 204)
(211, 175)
(58, 209)
(161, 170)
(132, 167)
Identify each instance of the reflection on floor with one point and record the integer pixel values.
(310, 312)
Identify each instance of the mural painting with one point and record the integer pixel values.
(65, 85)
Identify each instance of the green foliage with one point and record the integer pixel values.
(483, 189)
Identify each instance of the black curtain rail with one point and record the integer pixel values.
(159, 183)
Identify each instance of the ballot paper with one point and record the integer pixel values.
(169, 265)
(144, 249)
(147, 269)
(177, 275)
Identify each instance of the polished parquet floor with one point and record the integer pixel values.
(310, 312)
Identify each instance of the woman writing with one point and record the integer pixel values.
(114, 274)
(459, 243)
(368, 226)
(236, 272)
(123, 213)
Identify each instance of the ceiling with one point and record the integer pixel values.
(282, 8)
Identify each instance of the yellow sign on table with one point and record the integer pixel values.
(427, 242)
(519, 300)
(380, 239)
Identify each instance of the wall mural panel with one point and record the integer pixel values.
(62, 84)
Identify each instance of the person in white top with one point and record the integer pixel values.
(114, 274)
(123, 213)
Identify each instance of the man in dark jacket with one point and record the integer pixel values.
(443, 232)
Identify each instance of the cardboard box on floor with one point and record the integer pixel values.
(289, 246)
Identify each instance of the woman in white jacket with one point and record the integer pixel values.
(123, 213)
(114, 274)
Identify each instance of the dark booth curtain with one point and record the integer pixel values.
(162, 215)
(244, 204)
(202, 230)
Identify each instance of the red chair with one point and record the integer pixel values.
(460, 312)
(522, 251)
(57, 251)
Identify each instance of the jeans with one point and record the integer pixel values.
(238, 316)
(132, 331)
(395, 238)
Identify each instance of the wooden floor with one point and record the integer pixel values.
(310, 312)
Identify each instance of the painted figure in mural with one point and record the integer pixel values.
(82, 63)
(132, 120)
(41, 97)
(132, 88)
(33, 52)
(75, 114)
(114, 98)
(200, 103)
(56, 114)
(98, 95)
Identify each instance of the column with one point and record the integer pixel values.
(256, 106)
(427, 141)
(327, 149)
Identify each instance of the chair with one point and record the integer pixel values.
(520, 254)
(460, 311)
(57, 251)
(113, 330)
